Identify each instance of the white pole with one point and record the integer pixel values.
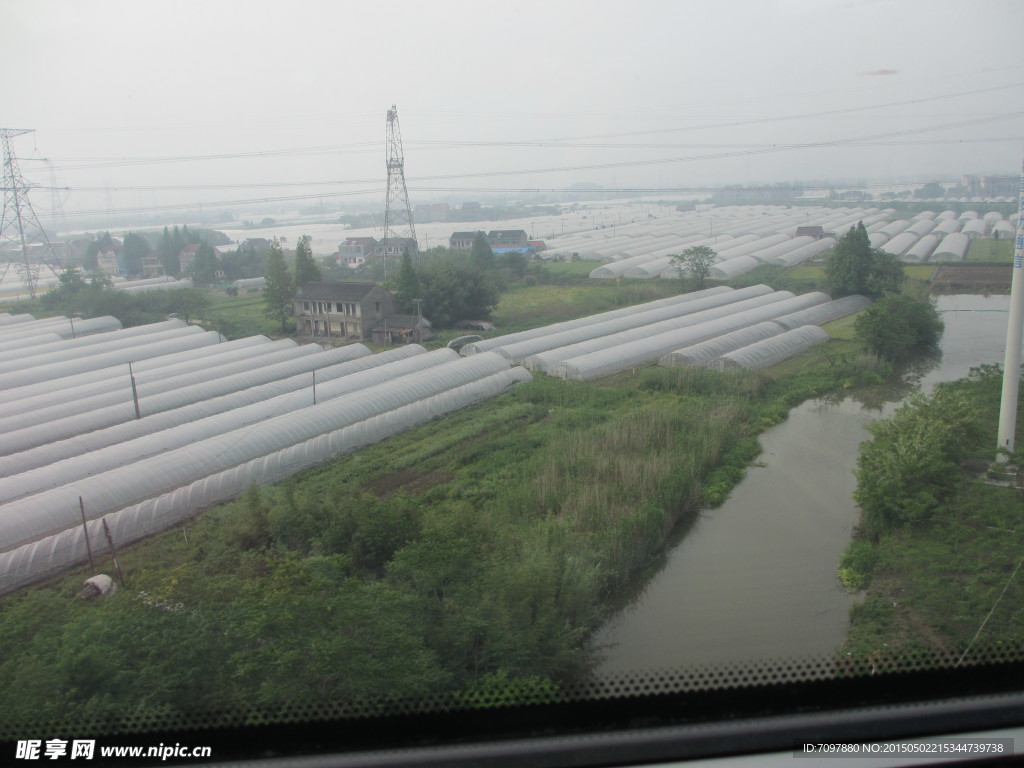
(1011, 364)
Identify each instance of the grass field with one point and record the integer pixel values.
(997, 251)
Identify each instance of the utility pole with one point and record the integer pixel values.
(399, 229)
(1011, 363)
(20, 230)
(419, 320)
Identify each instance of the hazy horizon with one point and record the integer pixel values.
(145, 105)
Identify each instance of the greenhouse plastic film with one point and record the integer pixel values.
(297, 376)
(120, 391)
(35, 561)
(78, 467)
(769, 352)
(40, 373)
(702, 354)
(521, 350)
(824, 313)
(534, 333)
(809, 251)
(112, 374)
(62, 343)
(41, 514)
(27, 438)
(648, 350)
(544, 361)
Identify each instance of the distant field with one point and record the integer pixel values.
(991, 251)
(241, 316)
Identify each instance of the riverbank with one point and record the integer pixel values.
(473, 554)
(946, 589)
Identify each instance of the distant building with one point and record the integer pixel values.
(151, 266)
(402, 329)
(462, 241)
(342, 310)
(470, 211)
(107, 262)
(816, 232)
(355, 250)
(187, 257)
(503, 240)
(396, 246)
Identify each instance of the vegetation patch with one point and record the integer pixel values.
(939, 552)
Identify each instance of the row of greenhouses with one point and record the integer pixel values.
(143, 440)
(605, 344)
(744, 237)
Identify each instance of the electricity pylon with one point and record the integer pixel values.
(399, 230)
(22, 239)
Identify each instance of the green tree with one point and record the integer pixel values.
(695, 262)
(912, 462)
(895, 326)
(455, 289)
(279, 291)
(205, 266)
(133, 250)
(409, 287)
(482, 254)
(856, 267)
(306, 269)
(170, 254)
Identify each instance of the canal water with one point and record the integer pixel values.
(755, 579)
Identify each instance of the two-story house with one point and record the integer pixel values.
(342, 310)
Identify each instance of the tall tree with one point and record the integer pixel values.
(170, 254)
(306, 269)
(409, 288)
(482, 254)
(205, 266)
(856, 267)
(695, 262)
(135, 247)
(279, 292)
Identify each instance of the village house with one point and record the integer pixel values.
(342, 310)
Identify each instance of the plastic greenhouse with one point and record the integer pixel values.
(769, 352)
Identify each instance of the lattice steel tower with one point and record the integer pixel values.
(399, 230)
(22, 239)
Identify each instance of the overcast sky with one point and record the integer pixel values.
(638, 94)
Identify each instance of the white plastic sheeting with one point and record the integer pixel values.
(733, 267)
(617, 358)
(66, 328)
(100, 344)
(94, 462)
(802, 254)
(510, 338)
(29, 342)
(769, 352)
(947, 226)
(227, 367)
(43, 514)
(893, 228)
(704, 353)
(922, 249)
(922, 227)
(172, 286)
(111, 374)
(297, 375)
(953, 246)
(67, 342)
(75, 398)
(545, 361)
(824, 313)
(975, 228)
(250, 282)
(37, 560)
(518, 351)
(901, 243)
(310, 357)
(40, 373)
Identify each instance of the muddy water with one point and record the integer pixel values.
(755, 578)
